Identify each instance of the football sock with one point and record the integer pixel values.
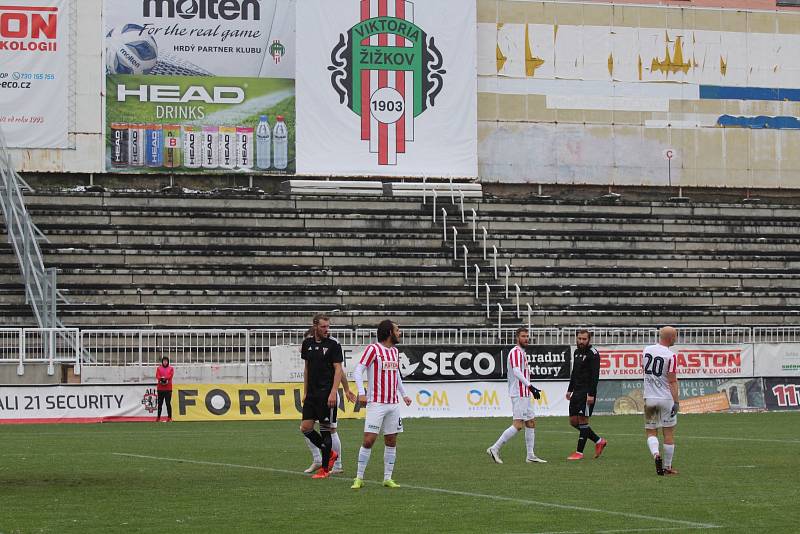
(317, 457)
(363, 460)
(314, 437)
(591, 435)
(389, 456)
(584, 430)
(530, 439)
(652, 444)
(509, 433)
(669, 451)
(337, 446)
(326, 448)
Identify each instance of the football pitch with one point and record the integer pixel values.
(738, 473)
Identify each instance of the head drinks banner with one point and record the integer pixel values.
(200, 86)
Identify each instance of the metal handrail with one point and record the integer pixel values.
(41, 291)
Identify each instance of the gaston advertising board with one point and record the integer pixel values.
(34, 73)
(200, 86)
(387, 88)
(694, 361)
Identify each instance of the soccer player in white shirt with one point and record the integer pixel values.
(382, 399)
(520, 389)
(661, 398)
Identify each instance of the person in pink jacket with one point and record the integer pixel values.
(164, 375)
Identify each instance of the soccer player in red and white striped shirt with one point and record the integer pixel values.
(520, 389)
(381, 362)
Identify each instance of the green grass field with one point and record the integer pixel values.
(738, 473)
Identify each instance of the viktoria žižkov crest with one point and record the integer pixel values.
(388, 71)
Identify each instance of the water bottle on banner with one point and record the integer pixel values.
(280, 137)
(263, 142)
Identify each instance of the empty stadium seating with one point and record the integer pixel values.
(195, 260)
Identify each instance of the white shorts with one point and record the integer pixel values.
(522, 408)
(657, 414)
(383, 419)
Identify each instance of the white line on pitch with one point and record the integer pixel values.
(685, 436)
(620, 530)
(690, 524)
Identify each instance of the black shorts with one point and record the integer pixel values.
(578, 406)
(315, 408)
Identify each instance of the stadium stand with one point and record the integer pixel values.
(135, 259)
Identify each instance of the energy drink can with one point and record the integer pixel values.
(136, 145)
(210, 149)
(119, 144)
(191, 147)
(172, 146)
(244, 147)
(227, 147)
(155, 142)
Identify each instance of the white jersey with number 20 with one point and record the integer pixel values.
(657, 361)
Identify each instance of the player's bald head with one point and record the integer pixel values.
(667, 336)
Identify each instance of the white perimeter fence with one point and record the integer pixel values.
(228, 346)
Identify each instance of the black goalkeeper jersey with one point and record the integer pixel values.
(585, 371)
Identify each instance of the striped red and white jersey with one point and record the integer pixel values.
(383, 372)
(388, 139)
(519, 359)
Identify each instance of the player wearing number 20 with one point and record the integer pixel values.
(661, 398)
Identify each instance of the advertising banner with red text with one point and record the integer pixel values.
(34, 73)
(694, 361)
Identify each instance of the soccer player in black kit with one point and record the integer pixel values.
(321, 377)
(582, 392)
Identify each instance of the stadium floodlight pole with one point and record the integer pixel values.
(455, 243)
(433, 190)
(477, 273)
(461, 191)
(494, 260)
(487, 300)
(530, 310)
(474, 223)
(508, 273)
(444, 225)
(517, 290)
(485, 235)
(499, 323)
(466, 273)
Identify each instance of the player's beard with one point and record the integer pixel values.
(395, 340)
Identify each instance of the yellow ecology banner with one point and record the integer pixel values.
(247, 402)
